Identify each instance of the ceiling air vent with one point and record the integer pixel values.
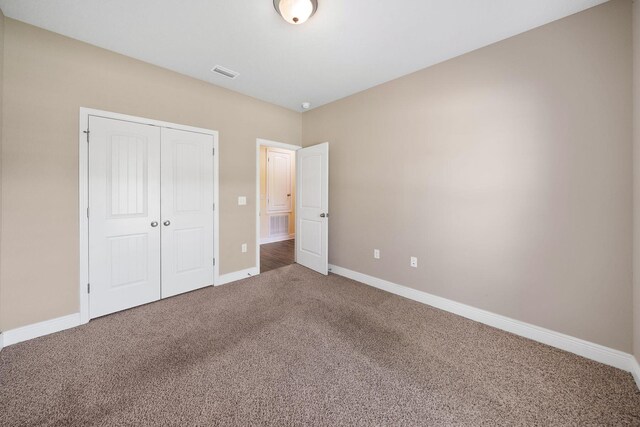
(225, 72)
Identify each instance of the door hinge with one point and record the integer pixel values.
(214, 261)
(88, 288)
(214, 206)
(87, 132)
(213, 151)
(87, 212)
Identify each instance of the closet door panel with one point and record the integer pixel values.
(187, 211)
(124, 205)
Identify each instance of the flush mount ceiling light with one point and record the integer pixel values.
(296, 11)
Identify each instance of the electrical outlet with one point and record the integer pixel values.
(244, 247)
(376, 253)
(242, 200)
(414, 262)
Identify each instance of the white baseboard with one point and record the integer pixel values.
(635, 370)
(36, 330)
(47, 327)
(237, 275)
(593, 351)
(266, 240)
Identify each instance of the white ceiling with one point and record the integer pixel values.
(346, 47)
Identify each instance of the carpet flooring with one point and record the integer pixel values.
(292, 347)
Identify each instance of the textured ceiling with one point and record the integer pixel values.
(346, 47)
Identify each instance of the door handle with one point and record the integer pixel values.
(167, 223)
(154, 224)
(324, 215)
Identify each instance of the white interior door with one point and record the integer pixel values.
(278, 181)
(124, 215)
(312, 207)
(187, 211)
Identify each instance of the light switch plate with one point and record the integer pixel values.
(242, 200)
(244, 247)
(376, 253)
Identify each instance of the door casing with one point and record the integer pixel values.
(83, 193)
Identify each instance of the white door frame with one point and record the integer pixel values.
(265, 143)
(83, 193)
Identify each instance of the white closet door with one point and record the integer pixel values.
(312, 204)
(278, 180)
(187, 211)
(124, 215)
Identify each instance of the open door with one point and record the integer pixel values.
(312, 207)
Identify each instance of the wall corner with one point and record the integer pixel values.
(636, 176)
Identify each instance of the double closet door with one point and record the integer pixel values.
(150, 213)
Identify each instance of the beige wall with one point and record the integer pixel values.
(636, 178)
(1, 120)
(506, 171)
(47, 79)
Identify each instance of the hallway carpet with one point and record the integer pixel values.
(292, 347)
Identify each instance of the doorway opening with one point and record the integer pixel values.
(276, 191)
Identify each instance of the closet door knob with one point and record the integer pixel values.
(154, 224)
(167, 223)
